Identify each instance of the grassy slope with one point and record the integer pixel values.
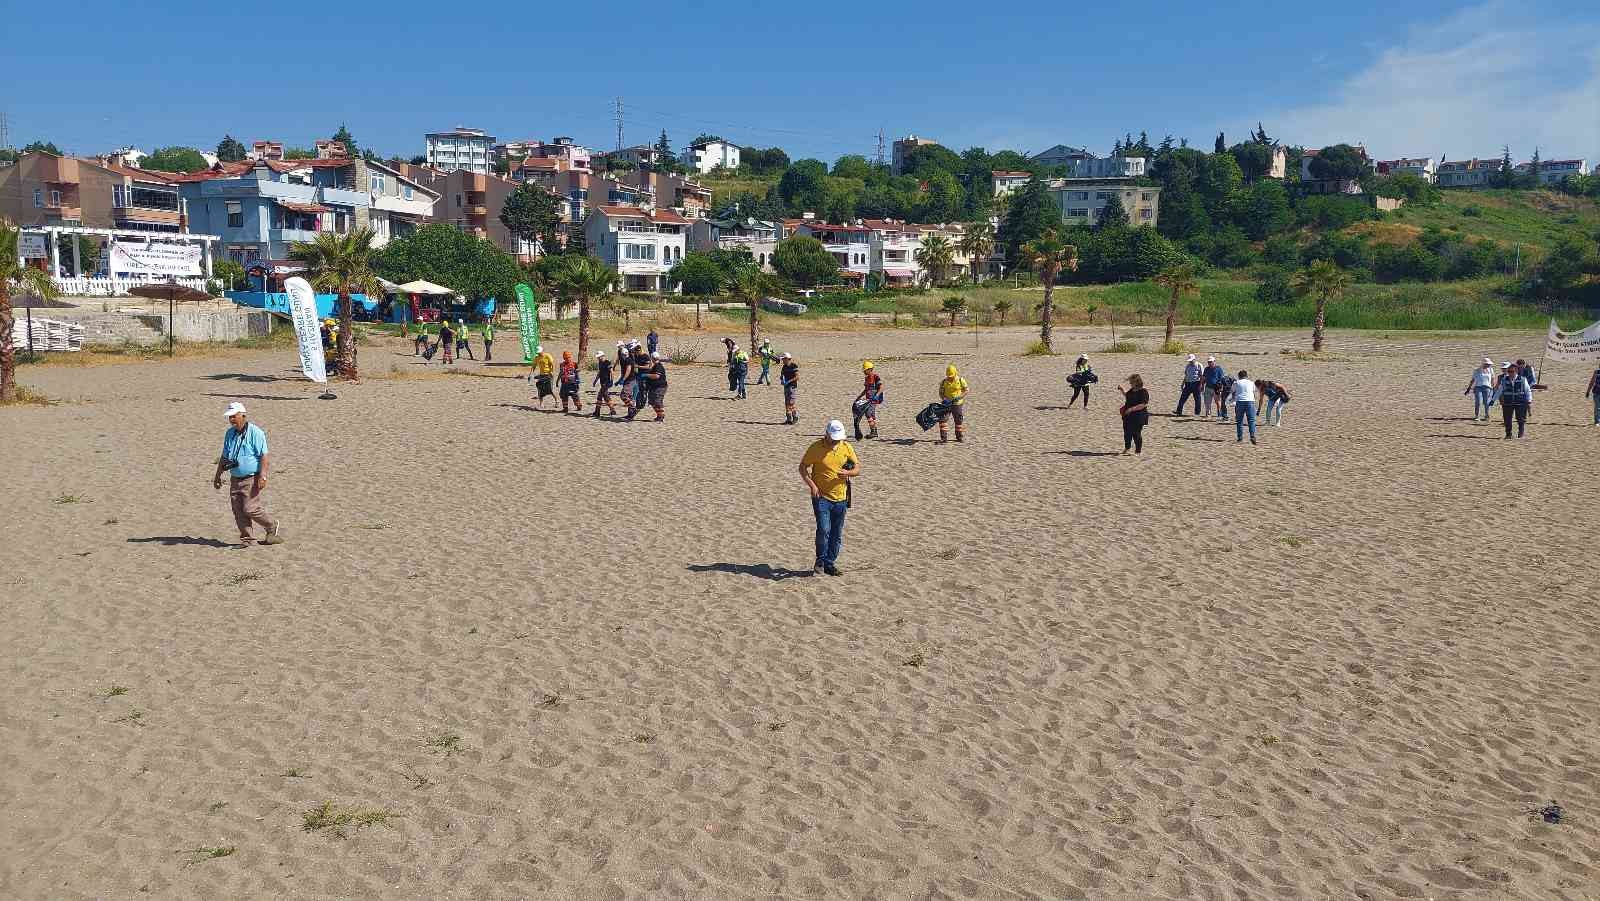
(728, 187)
(1534, 219)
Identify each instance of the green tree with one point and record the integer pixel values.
(1113, 215)
(804, 186)
(1222, 143)
(446, 255)
(1325, 282)
(43, 147)
(1508, 173)
(977, 242)
(852, 165)
(1047, 255)
(936, 254)
(925, 160)
(174, 159)
(1178, 281)
(532, 213)
(301, 153)
(15, 278)
(230, 273)
(953, 306)
(1339, 162)
(342, 265)
(1030, 215)
(750, 285)
(699, 274)
(344, 137)
(1254, 158)
(664, 146)
(1001, 308)
(1534, 167)
(945, 200)
(1274, 288)
(803, 261)
(583, 279)
(1263, 210)
(230, 149)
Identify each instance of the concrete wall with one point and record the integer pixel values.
(192, 325)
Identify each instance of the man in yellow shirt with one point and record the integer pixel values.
(953, 392)
(827, 468)
(544, 370)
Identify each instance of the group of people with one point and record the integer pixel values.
(1511, 388)
(1210, 386)
(638, 376)
(453, 341)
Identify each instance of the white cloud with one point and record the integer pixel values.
(1464, 86)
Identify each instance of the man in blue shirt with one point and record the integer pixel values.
(244, 456)
(1191, 386)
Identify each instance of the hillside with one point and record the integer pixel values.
(1533, 219)
(725, 187)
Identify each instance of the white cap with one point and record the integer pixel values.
(622, 344)
(1506, 365)
(234, 409)
(654, 355)
(1487, 361)
(784, 357)
(599, 355)
(1211, 359)
(1191, 358)
(835, 430)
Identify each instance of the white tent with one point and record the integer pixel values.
(421, 287)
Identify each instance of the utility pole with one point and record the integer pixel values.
(880, 148)
(619, 124)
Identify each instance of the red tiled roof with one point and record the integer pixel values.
(669, 217)
(1001, 174)
(631, 211)
(220, 170)
(143, 174)
(540, 162)
(303, 207)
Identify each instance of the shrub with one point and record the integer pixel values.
(1120, 347)
(1039, 349)
(1472, 210)
(1274, 288)
(684, 354)
(1174, 347)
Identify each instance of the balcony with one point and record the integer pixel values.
(291, 235)
(145, 215)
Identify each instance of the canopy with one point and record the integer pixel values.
(389, 287)
(899, 273)
(421, 287)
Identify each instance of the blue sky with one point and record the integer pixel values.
(817, 79)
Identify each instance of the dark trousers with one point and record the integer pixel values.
(488, 348)
(1133, 433)
(1517, 409)
(1076, 390)
(830, 529)
(1190, 389)
(462, 345)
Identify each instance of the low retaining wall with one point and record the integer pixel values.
(207, 326)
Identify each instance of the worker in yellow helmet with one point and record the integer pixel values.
(953, 393)
(866, 403)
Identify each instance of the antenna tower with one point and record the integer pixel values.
(880, 148)
(619, 123)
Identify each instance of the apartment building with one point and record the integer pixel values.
(466, 149)
(472, 201)
(260, 208)
(327, 149)
(704, 156)
(144, 201)
(1061, 155)
(641, 245)
(1109, 167)
(571, 154)
(266, 150)
(1473, 173)
(679, 193)
(1082, 201)
(1554, 172)
(45, 189)
(851, 245)
(757, 237)
(399, 206)
(902, 148)
(638, 156)
(893, 246)
(1423, 167)
(1005, 182)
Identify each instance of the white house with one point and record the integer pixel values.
(894, 251)
(1109, 167)
(757, 237)
(1473, 173)
(1554, 172)
(851, 246)
(399, 205)
(708, 155)
(1422, 167)
(642, 245)
(1005, 182)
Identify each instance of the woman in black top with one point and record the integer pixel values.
(1135, 413)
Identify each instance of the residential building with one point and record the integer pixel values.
(1422, 167)
(125, 156)
(1310, 184)
(467, 149)
(1109, 167)
(44, 189)
(642, 245)
(952, 232)
(571, 154)
(266, 150)
(1061, 155)
(261, 208)
(1280, 163)
(1082, 201)
(399, 206)
(851, 245)
(144, 201)
(894, 245)
(757, 237)
(704, 156)
(1554, 172)
(902, 148)
(639, 156)
(1473, 173)
(472, 201)
(675, 192)
(1006, 182)
(331, 150)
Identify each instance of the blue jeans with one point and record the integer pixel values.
(1597, 408)
(1242, 410)
(1480, 400)
(742, 376)
(830, 529)
(765, 379)
(1274, 406)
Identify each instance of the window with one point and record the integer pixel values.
(38, 198)
(118, 196)
(1079, 211)
(1101, 195)
(341, 222)
(1146, 213)
(458, 200)
(377, 183)
(639, 251)
(407, 192)
(55, 198)
(235, 214)
(1145, 196)
(1078, 195)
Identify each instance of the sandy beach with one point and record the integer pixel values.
(519, 654)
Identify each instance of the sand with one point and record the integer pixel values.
(555, 657)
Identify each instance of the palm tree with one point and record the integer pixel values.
(1179, 281)
(340, 264)
(1047, 256)
(1002, 307)
(936, 254)
(584, 278)
(15, 278)
(1325, 281)
(977, 243)
(954, 305)
(749, 284)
